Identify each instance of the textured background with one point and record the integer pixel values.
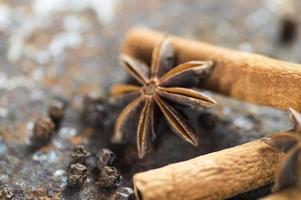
(70, 48)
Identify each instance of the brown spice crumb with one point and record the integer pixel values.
(109, 177)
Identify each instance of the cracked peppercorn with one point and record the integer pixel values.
(77, 174)
(80, 154)
(109, 177)
(105, 157)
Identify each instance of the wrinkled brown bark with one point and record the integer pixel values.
(245, 76)
(217, 175)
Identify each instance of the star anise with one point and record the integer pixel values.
(285, 141)
(290, 142)
(161, 84)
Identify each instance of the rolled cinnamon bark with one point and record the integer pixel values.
(245, 76)
(217, 175)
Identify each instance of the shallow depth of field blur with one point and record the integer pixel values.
(70, 48)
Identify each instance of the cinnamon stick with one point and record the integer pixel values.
(217, 175)
(249, 77)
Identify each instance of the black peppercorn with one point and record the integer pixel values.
(109, 177)
(77, 174)
(56, 111)
(80, 154)
(105, 157)
(42, 131)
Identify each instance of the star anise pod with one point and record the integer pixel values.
(285, 141)
(289, 172)
(161, 84)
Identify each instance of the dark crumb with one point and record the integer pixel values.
(77, 174)
(6, 193)
(56, 111)
(109, 177)
(80, 154)
(208, 120)
(42, 131)
(95, 111)
(105, 157)
(123, 193)
(288, 30)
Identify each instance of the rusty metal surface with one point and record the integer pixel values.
(66, 49)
